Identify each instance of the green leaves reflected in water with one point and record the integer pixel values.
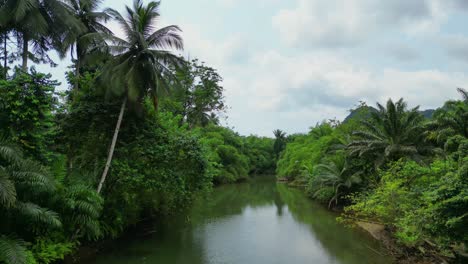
(255, 222)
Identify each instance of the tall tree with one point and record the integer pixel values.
(280, 142)
(142, 62)
(199, 95)
(92, 38)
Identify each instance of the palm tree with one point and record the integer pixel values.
(464, 94)
(93, 37)
(335, 173)
(39, 21)
(142, 62)
(280, 142)
(391, 133)
(450, 120)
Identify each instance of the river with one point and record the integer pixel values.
(260, 222)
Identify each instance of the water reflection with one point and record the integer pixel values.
(255, 222)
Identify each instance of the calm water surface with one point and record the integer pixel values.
(259, 222)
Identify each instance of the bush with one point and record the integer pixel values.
(46, 251)
(420, 202)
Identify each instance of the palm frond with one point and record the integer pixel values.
(12, 251)
(167, 37)
(7, 190)
(38, 214)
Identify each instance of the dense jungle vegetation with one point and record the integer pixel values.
(137, 136)
(393, 166)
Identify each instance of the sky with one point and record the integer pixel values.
(291, 64)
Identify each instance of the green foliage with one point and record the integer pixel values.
(382, 161)
(23, 211)
(46, 251)
(81, 207)
(157, 172)
(449, 121)
(13, 251)
(27, 102)
(335, 173)
(306, 151)
(421, 203)
(199, 96)
(34, 203)
(261, 154)
(380, 165)
(227, 162)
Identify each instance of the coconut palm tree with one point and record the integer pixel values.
(337, 174)
(39, 22)
(92, 38)
(391, 133)
(142, 63)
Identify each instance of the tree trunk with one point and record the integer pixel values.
(25, 54)
(77, 67)
(155, 103)
(112, 147)
(5, 54)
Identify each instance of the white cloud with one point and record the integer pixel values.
(456, 46)
(302, 90)
(272, 89)
(336, 23)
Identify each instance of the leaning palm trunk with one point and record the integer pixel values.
(25, 54)
(5, 55)
(78, 66)
(112, 147)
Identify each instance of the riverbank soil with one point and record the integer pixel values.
(402, 255)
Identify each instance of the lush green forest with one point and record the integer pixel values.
(393, 166)
(137, 136)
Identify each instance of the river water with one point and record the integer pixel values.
(259, 222)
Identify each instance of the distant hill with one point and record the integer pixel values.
(426, 113)
(355, 112)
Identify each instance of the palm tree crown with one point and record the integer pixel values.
(41, 21)
(391, 133)
(143, 61)
(94, 31)
(337, 174)
(450, 120)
